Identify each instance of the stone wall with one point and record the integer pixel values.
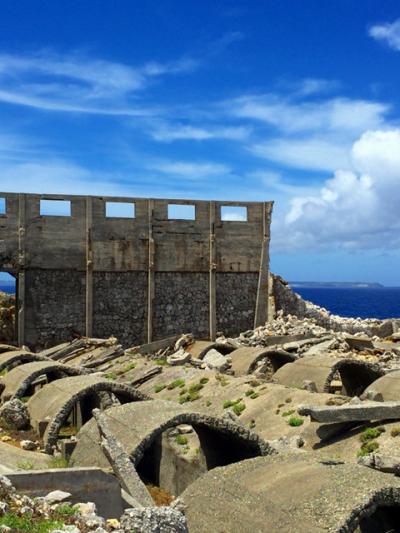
(120, 306)
(236, 294)
(55, 306)
(181, 304)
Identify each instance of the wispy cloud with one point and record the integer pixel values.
(75, 83)
(169, 132)
(190, 170)
(388, 33)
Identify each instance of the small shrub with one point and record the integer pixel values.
(228, 403)
(254, 395)
(183, 391)
(126, 368)
(111, 375)
(160, 362)
(249, 392)
(238, 408)
(58, 462)
(371, 434)
(288, 400)
(367, 448)
(159, 388)
(26, 465)
(288, 413)
(65, 509)
(181, 440)
(295, 421)
(176, 383)
(395, 431)
(196, 387)
(29, 524)
(203, 381)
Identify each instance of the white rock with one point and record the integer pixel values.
(179, 358)
(28, 445)
(216, 361)
(57, 496)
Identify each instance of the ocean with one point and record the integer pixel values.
(364, 302)
(7, 288)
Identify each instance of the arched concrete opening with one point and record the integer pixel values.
(11, 359)
(200, 348)
(328, 374)
(353, 376)
(141, 428)
(73, 399)
(20, 381)
(9, 305)
(246, 360)
(292, 493)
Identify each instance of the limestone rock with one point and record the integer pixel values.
(57, 496)
(179, 358)
(216, 361)
(15, 414)
(154, 520)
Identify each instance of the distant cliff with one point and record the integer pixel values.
(334, 285)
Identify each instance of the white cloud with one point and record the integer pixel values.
(309, 153)
(178, 132)
(190, 170)
(75, 83)
(352, 209)
(334, 115)
(388, 33)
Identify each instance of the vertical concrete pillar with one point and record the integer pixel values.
(261, 314)
(21, 268)
(212, 275)
(150, 274)
(89, 268)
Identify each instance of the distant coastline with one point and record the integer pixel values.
(334, 285)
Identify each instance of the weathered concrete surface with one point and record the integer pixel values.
(121, 463)
(55, 401)
(355, 374)
(353, 412)
(244, 360)
(17, 382)
(288, 493)
(139, 278)
(7, 348)
(387, 386)
(18, 357)
(84, 484)
(138, 427)
(13, 458)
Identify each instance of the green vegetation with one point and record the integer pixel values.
(249, 392)
(371, 433)
(295, 421)
(222, 380)
(159, 388)
(127, 368)
(181, 440)
(208, 403)
(189, 397)
(3, 372)
(395, 431)
(288, 413)
(58, 462)
(160, 362)
(65, 509)
(112, 376)
(26, 465)
(237, 406)
(195, 387)
(254, 396)
(29, 523)
(203, 381)
(367, 448)
(176, 383)
(288, 400)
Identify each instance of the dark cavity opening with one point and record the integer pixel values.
(385, 519)
(218, 449)
(8, 308)
(354, 378)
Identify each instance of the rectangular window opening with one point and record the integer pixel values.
(120, 210)
(233, 213)
(55, 208)
(2, 206)
(181, 212)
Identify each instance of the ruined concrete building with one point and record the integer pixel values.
(141, 275)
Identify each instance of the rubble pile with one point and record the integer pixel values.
(7, 317)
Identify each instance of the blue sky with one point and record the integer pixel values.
(292, 101)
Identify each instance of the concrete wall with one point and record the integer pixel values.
(140, 278)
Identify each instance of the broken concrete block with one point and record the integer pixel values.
(57, 496)
(353, 412)
(28, 445)
(15, 414)
(154, 520)
(179, 358)
(216, 361)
